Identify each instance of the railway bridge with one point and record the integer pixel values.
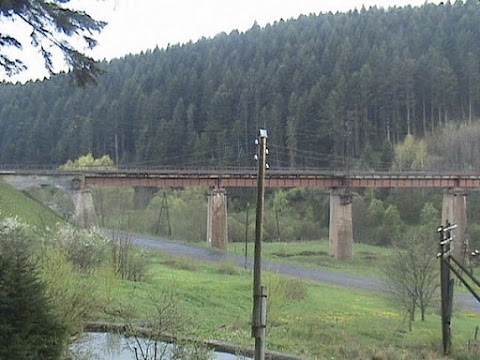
(217, 180)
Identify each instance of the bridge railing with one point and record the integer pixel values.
(129, 170)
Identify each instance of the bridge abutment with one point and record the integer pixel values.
(217, 228)
(84, 215)
(454, 210)
(340, 234)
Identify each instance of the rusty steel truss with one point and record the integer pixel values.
(280, 179)
(247, 177)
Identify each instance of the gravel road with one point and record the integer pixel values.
(322, 276)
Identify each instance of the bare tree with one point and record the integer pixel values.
(162, 336)
(412, 274)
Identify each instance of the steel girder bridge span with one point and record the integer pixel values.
(454, 186)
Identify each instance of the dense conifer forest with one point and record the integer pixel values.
(325, 86)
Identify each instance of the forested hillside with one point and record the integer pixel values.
(323, 85)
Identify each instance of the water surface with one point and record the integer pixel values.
(105, 346)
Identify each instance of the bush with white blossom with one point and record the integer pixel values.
(86, 249)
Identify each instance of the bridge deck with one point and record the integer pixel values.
(285, 180)
(247, 177)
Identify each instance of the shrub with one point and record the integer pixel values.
(227, 268)
(294, 289)
(180, 263)
(281, 291)
(86, 250)
(71, 294)
(88, 162)
(128, 262)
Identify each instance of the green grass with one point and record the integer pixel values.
(14, 203)
(328, 323)
(368, 260)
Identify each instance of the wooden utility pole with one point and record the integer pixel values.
(259, 318)
(446, 284)
(447, 262)
(246, 236)
(116, 149)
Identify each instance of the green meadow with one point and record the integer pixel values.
(368, 260)
(305, 318)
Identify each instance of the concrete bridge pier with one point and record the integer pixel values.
(454, 210)
(217, 229)
(340, 234)
(84, 215)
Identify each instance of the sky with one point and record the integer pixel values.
(138, 25)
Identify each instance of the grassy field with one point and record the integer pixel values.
(368, 260)
(306, 318)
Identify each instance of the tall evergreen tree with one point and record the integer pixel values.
(28, 327)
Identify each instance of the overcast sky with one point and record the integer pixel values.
(138, 25)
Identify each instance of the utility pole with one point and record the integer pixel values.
(246, 235)
(116, 149)
(446, 284)
(259, 318)
(447, 262)
(347, 150)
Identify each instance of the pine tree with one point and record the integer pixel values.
(28, 327)
(52, 25)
